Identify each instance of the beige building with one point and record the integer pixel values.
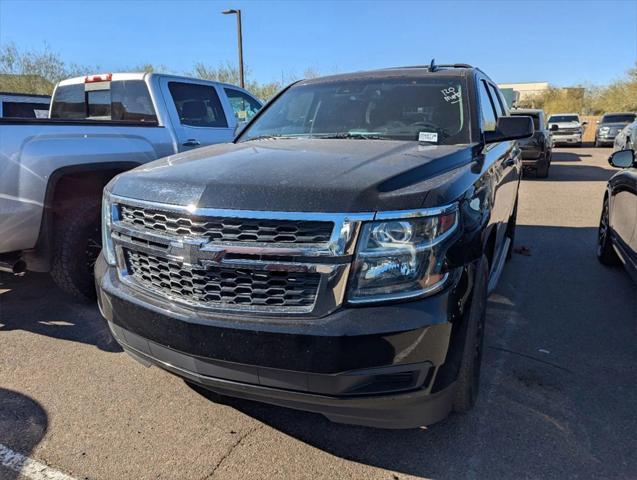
(526, 90)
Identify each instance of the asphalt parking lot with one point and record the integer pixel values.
(557, 397)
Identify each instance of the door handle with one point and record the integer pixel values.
(191, 142)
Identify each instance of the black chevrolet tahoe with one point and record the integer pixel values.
(335, 258)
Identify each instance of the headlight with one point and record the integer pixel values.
(604, 129)
(400, 258)
(107, 219)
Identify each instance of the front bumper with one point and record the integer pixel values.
(608, 139)
(567, 138)
(374, 366)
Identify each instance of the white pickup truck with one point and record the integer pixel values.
(52, 171)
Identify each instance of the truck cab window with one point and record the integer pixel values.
(69, 102)
(197, 105)
(243, 105)
(99, 104)
(130, 101)
(486, 107)
(497, 101)
(126, 100)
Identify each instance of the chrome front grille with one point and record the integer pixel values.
(215, 286)
(566, 131)
(228, 229)
(271, 263)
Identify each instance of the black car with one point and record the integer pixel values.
(609, 126)
(536, 150)
(335, 258)
(618, 226)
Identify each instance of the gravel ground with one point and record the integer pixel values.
(557, 397)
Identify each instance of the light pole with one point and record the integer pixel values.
(240, 39)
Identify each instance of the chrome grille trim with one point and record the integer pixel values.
(225, 285)
(331, 259)
(228, 229)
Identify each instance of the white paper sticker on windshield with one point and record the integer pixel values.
(451, 95)
(428, 137)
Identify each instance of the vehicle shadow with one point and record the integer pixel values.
(579, 173)
(560, 156)
(557, 390)
(33, 303)
(23, 423)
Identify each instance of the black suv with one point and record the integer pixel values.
(609, 126)
(536, 150)
(335, 258)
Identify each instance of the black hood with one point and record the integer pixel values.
(345, 175)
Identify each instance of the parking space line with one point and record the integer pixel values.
(29, 468)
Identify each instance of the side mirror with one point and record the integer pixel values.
(554, 128)
(584, 123)
(510, 128)
(622, 159)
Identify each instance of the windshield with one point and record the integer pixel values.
(432, 110)
(534, 116)
(563, 118)
(623, 118)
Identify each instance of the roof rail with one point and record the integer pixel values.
(454, 65)
(432, 67)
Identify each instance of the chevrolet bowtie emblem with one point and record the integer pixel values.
(196, 252)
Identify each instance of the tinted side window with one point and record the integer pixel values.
(197, 105)
(243, 106)
(486, 107)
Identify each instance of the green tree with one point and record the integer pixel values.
(33, 71)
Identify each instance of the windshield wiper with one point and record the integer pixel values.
(267, 137)
(356, 135)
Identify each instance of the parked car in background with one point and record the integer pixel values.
(566, 128)
(536, 150)
(609, 126)
(52, 171)
(336, 257)
(626, 139)
(618, 226)
(22, 105)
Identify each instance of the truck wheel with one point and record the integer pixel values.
(76, 246)
(468, 380)
(605, 252)
(542, 168)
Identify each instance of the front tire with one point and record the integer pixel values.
(542, 168)
(606, 254)
(468, 380)
(76, 245)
